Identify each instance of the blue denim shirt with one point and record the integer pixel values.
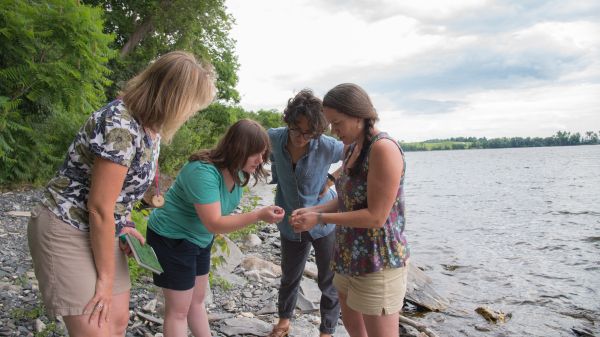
(301, 187)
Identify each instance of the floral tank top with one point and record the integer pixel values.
(113, 134)
(359, 251)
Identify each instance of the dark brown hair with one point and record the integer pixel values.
(243, 139)
(308, 105)
(352, 100)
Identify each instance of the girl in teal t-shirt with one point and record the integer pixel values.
(197, 206)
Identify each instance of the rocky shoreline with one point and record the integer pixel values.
(243, 303)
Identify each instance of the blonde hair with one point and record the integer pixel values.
(170, 91)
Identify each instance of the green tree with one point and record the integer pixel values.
(575, 139)
(562, 137)
(204, 130)
(591, 137)
(146, 29)
(52, 74)
(268, 118)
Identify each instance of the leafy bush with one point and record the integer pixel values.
(52, 72)
(205, 129)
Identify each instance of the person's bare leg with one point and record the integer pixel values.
(86, 326)
(197, 317)
(177, 306)
(119, 314)
(382, 326)
(353, 320)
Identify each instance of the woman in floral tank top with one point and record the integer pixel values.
(72, 234)
(371, 252)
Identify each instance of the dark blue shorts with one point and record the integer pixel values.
(181, 260)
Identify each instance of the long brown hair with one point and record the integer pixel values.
(352, 100)
(243, 139)
(169, 91)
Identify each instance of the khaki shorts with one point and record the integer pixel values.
(64, 265)
(378, 293)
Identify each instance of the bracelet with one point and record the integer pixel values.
(129, 223)
(331, 177)
(320, 218)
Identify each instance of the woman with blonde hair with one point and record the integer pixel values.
(370, 255)
(198, 205)
(72, 233)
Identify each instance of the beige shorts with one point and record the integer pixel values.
(378, 293)
(64, 265)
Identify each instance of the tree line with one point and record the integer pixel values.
(561, 138)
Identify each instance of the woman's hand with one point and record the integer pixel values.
(99, 306)
(123, 244)
(271, 214)
(304, 220)
(299, 211)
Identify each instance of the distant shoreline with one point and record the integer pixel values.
(449, 146)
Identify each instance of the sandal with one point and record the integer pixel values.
(279, 332)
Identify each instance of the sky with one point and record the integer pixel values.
(433, 68)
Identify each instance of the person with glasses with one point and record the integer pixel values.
(301, 158)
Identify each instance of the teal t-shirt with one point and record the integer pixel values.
(197, 183)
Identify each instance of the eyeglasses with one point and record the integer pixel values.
(306, 135)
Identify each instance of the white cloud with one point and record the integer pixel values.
(534, 112)
(434, 69)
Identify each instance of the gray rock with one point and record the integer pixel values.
(219, 316)
(39, 325)
(251, 240)
(150, 306)
(265, 268)
(302, 328)
(235, 279)
(150, 318)
(420, 291)
(305, 305)
(246, 326)
(232, 258)
(310, 289)
(310, 270)
(269, 308)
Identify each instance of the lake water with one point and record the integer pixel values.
(517, 230)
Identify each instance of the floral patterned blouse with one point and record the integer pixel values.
(110, 133)
(359, 251)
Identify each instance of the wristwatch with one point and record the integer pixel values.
(331, 177)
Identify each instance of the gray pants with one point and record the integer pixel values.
(293, 258)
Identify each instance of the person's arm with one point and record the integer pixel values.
(106, 184)
(210, 215)
(383, 179)
(329, 207)
(338, 151)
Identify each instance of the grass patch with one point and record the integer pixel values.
(25, 315)
(436, 146)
